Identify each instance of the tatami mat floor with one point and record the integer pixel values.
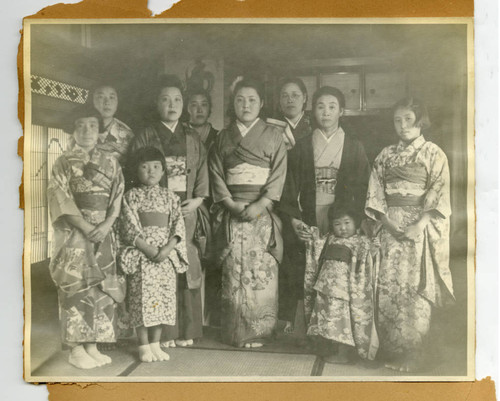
(207, 358)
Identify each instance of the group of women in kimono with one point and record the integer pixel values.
(263, 220)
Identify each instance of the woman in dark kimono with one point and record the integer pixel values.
(325, 167)
(247, 166)
(293, 99)
(84, 195)
(199, 108)
(187, 176)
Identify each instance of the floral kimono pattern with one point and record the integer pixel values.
(414, 275)
(152, 213)
(248, 251)
(344, 302)
(88, 185)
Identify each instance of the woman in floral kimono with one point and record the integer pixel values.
(247, 166)
(84, 197)
(409, 192)
(187, 176)
(152, 227)
(329, 166)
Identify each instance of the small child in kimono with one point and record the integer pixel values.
(152, 229)
(343, 305)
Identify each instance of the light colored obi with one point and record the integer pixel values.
(176, 173)
(247, 174)
(326, 180)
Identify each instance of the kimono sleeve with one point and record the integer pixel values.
(274, 185)
(201, 186)
(437, 197)
(217, 176)
(177, 228)
(117, 190)
(289, 203)
(375, 198)
(60, 199)
(129, 223)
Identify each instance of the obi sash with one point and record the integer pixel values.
(176, 174)
(326, 180)
(245, 181)
(92, 201)
(414, 175)
(337, 252)
(156, 219)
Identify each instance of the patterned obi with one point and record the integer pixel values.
(245, 181)
(326, 180)
(176, 174)
(153, 219)
(405, 185)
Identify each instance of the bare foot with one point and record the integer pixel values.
(405, 364)
(168, 344)
(145, 353)
(158, 353)
(288, 328)
(80, 359)
(93, 352)
(254, 345)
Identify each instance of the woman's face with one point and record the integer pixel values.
(170, 104)
(404, 122)
(106, 101)
(292, 100)
(198, 109)
(247, 105)
(150, 172)
(327, 112)
(86, 132)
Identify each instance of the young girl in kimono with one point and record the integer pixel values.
(187, 175)
(152, 228)
(409, 193)
(343, 305)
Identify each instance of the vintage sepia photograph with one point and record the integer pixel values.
(249, 200)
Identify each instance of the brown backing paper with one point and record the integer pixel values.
(483, 390)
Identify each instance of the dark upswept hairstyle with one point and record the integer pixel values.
(198, 91)
(336, 211)
(168, 81)
(329, 90)
(244, 83)
(418, 107)
(146, 154)
(297, 81)
(81, 111)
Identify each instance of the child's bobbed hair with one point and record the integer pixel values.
(146, 154)
(337, 211)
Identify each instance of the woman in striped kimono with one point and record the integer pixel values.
(247, 167)
(409, 193)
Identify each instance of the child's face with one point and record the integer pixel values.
(344, 227)
(150, 173)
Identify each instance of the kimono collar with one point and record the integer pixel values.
(338, 131)
(243, 129)
(294, 125)
(173, 127)
(416, 144)
(149, 188)
(86, 155)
